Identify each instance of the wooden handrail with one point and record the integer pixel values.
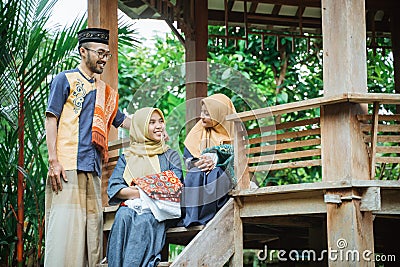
(117, 144)
(315, 103)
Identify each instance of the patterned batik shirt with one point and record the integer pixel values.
(72, 100)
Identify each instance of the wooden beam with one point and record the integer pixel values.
(286, 156)
(240, 159)
(344, 153)
(282, 146)
(311, 202)
(349, 228)
(370, 4)
(344, 38)
(381, 117)
(374, 139)
(283, 125)
(230, 5)
(253, 7)
(286, 165)
(390, 202)
(217, 17)
(297, 221)
(276, 10)
(295, 134)
(316, 103)
(196, 59)
(287, 108)
(305, 3)
(104, 14)
(307, 187)
(237, 258)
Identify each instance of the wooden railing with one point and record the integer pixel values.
(285, 145)
(269, 147)
(382, 137)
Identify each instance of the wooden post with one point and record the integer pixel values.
(104, 14)
(344, 153)
(394, 21)
(374, 138)
(196, 51)
(237, 258)
(240, 160)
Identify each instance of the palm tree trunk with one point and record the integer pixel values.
(21, 186)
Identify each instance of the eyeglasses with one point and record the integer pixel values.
(101, 54)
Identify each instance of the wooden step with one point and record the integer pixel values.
(217, 235)
(175, 235)
(182, 235)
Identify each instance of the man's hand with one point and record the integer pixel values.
(126, 124)
(56, 172)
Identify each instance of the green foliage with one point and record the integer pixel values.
(139, 67)
(253, 76)
(380, 71)
(30, 54)
(258, 74)
(280, 74)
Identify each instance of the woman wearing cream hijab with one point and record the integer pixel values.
(137, 237)
(207, 183)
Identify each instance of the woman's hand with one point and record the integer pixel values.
(165, 136)
(205, 163)
(130, 192)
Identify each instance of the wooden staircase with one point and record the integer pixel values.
(218, 235)
(197, 239)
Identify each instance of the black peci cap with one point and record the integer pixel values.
(95, 35)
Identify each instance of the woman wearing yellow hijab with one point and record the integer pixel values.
(207, 153)
(137, 236)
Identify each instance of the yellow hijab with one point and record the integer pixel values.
(199, 138)
(142, 154)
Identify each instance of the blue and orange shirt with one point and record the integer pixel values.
(72, 100)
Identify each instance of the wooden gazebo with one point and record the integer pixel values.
(347, 140)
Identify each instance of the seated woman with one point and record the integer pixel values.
(208, 158)
(138, 233)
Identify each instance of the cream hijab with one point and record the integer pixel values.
(199, 138)
(142, 154)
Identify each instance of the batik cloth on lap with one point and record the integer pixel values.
(161, 186)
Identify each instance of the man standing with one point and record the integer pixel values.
(80, 111)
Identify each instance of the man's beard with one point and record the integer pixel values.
(93, 65)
